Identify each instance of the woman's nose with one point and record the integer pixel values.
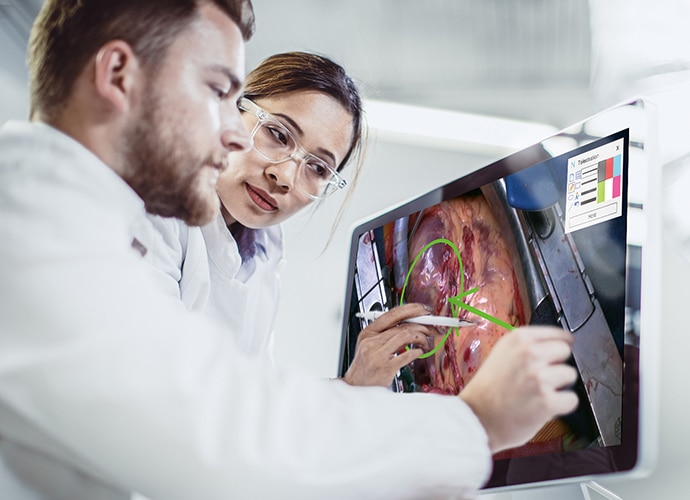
(284, 174)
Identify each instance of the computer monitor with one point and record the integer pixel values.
(564, 232)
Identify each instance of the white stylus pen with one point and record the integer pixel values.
(421, 320)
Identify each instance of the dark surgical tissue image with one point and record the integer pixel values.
(463, 258)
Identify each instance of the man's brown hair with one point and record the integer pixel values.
(67, 33)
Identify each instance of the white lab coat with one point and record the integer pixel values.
(108, 386)
(202, 267)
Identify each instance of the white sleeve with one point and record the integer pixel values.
(100, 370)
(162, 402)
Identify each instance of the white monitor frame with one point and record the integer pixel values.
(644, 231)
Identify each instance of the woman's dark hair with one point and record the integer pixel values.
(298, 71)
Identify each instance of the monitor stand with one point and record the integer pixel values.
(589, 490)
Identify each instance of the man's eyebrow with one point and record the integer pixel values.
(300, 132)
(234, 78)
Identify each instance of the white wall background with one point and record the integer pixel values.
(14, 93)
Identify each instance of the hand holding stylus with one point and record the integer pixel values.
(375, 361)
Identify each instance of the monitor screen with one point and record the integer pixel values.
(552, 234)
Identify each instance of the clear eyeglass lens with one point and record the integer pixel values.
(275, 143)
(317, 178)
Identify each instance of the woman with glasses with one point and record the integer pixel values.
(305, 118)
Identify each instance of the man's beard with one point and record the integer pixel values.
(163, 172)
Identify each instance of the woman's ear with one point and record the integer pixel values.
(116, 73)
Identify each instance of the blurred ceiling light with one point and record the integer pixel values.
(452, 130)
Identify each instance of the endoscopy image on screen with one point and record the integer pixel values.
(544, 244)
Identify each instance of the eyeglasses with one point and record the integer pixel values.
(276, 144)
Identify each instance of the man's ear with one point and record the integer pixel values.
(116, 72)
